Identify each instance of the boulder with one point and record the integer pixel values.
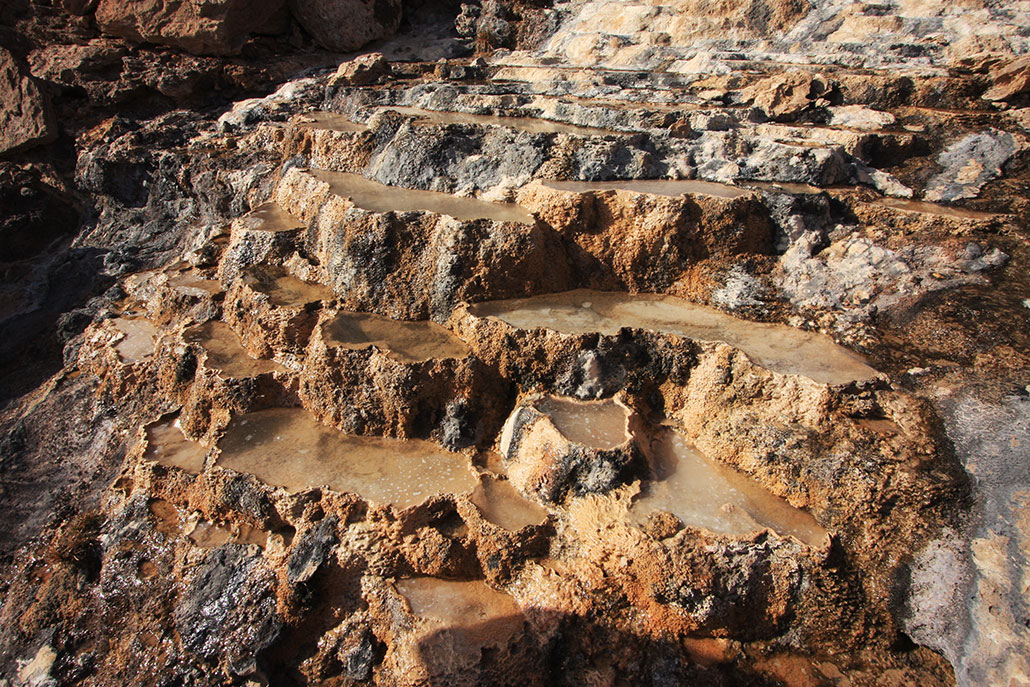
(368, 69)
(346, 25)
(1009, 79)
(25, 116)
(784, 97)
(204, 27)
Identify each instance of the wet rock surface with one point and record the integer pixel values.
(588, 343)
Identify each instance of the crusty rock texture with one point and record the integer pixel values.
(26, 119)
(584, 343)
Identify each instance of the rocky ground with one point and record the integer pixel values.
(573, 343)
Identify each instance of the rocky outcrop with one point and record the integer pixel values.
(1009, 79)
(26, 119)
(764, 394)
(210, 27)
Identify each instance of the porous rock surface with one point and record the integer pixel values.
(189, 257)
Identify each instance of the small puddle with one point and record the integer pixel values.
(406, 341)
(272, 218)
(329, 121)
(375, 197)
(931, 208)
(190, 283)
(776, 347)
(597, 424)
(208, 535)
(138, 339)
(659, 187)
(284, 290)
(167, 445)
(504, 506)
(531, 125)
(287, 447)
(484, 615)
(225, 352)
(784, 187)
(702, 493)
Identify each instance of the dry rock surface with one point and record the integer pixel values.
(582, 343)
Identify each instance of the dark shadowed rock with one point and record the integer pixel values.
(228, 614)
(346, 25)
(312, 551)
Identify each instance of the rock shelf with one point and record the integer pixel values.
(375, 197)
(777, 347)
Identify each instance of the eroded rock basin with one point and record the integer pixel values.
(504, 506)
(328, 121)
(406, 341)
(375, 197)
(776, 347)
(598, 424)
(168, 446)
(931, 208)
(272, 218)
(225, 352)
(287, 447)
(482, 614)
(702, 493)
(138, 338)
(285, 290)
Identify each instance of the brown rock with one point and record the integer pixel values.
(346, 25)
(25, 116)
(785, 96)
(207, 27)
(362, 71)
(1010, 78)
(645, 241)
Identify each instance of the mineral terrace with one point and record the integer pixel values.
(583, 343)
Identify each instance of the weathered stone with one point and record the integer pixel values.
(1009, 79)
(346, 25)
(785, 97)
(361, 71)
(228, 613)
(970, 163)
(208, 27)
(26, 119)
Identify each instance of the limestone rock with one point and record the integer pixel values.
(1009, 79)
(206, 27)
(346, 25)
(26, 119)
(970, 163)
